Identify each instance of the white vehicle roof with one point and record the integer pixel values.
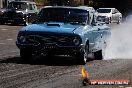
(106, 8)
(86, 7)
(30, 2)
(79, 7)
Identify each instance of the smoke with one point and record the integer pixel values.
(120, 45)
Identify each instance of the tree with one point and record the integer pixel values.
(40, 2)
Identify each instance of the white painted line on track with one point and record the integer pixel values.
(10, 39)
(14, 51)
(121, 86)
(2, 43)
(4, 29)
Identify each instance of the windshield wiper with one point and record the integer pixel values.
(74, 22)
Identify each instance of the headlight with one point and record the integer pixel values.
(19, 12)
(1, 12)
(22, 39)
(76, 41)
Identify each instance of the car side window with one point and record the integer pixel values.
(35, 7)
(117, 11)
(31, 7)
(114, 11)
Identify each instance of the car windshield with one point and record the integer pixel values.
(66, 15)
(17, 5)
(104, 10)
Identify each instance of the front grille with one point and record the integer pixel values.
(12, 14)
(9, 14)
(59, 40)
(101, 18)
(50, 47)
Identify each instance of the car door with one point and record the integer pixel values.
(99, 34)
(116, 15)
(113, 15)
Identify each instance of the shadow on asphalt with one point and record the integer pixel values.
(52, 61)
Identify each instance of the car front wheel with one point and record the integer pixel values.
(2, 22)
(83, 57)
(109, 21)
(26, 55)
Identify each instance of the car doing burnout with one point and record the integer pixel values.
(63, 30)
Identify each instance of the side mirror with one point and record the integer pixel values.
(113, 12)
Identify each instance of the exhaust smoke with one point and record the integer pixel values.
(120, 45)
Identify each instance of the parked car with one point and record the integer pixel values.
(63, 30)
(109, 15)
(19, 12)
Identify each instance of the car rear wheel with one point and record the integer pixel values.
(99, 55)
(26, 55)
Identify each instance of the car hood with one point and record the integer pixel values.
(51, 27)
(3, 9)
(12, 10)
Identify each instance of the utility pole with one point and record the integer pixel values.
(1, 3)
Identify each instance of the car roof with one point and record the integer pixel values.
(79, 7)
(30, 2)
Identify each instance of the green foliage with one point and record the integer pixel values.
(52, 2)
(45, 2)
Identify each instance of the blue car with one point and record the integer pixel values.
(61, 30)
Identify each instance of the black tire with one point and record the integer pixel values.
(109, 21)
(2, 23)
(14, 24)
(83, 57)
(98, 55)
(119, 20)
(26, 55)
